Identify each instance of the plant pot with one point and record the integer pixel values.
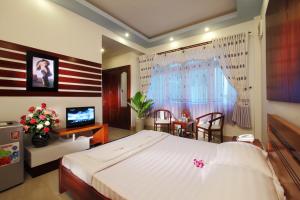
(139, 124)
(40, 140)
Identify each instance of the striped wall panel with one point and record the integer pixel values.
(76, 77)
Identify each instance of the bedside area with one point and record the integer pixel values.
(256, 142)
(42, 160)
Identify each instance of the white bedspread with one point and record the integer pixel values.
(86, 163)
(158, 166)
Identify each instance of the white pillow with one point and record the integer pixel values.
(248, 156)
(243, 155)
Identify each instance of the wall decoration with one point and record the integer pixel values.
(76, 77)
(283, 50)
(42, 72)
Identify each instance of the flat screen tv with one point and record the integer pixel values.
(80, 116)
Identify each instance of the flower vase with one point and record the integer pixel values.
(40, 140)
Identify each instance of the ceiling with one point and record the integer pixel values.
(153, 22)
(113, 48)
(156, 17)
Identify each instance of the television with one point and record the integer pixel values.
(80, 116)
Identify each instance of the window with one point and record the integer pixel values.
(198, 86)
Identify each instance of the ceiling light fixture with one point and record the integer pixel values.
(206, 29)
(102, 50)
(171, 39)
(126, 34)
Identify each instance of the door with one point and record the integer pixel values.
(116, 93)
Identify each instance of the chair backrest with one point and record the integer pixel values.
(219, 122)
(216, 115)
(210, 116)
(162, 114)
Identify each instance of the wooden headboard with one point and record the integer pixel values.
(284, 154)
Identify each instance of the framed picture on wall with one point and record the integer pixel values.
(42, 72)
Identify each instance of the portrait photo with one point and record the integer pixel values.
(42, 72)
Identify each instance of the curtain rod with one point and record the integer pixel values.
(189, 47)
(186, 47)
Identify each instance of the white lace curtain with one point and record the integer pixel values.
(197, 86)
(230, 54)
(146, 66)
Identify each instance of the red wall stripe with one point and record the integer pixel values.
(79, 67)
(12, 74)
(78, 87)
(74, 80)
(12, 55)
(12, 83)
(79, 74)
(64, 94)
(10, 64)
(18, 47)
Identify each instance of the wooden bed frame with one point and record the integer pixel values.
(283, 150)
(78, 189)
(284, 154)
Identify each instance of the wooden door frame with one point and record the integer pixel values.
(121, 68)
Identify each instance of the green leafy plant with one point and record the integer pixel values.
(140, 104)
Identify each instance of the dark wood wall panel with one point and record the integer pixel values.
(83, 81)
(12, 74)
(76, 77)
(12, 55)
(12, 83)
(22, 48)
(283, 50)
(12, 65)
(79, 67)
(79, 74)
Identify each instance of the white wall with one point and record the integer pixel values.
(130, 58)
(254, 69)
(44, 25)
(288, 111)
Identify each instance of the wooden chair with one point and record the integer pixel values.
(214, 124)
(162, 118)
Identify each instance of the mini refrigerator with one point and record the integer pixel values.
(11, 155)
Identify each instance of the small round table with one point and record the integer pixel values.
(183, 126)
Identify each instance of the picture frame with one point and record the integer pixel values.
(42, 72)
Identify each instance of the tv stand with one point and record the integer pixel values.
(100, 135)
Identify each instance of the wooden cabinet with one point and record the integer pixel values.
(100, 131)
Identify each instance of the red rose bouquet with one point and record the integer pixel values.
(40, 120)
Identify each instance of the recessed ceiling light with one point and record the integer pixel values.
(126, 34)
(206, 29)
(171, 39)
(102, 50)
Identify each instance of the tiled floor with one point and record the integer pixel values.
(116, 133)
(45, 187)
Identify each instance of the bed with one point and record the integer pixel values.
(156, 165)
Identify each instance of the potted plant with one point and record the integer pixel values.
(39, 123)
(141, 105)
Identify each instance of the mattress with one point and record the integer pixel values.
(160, 166)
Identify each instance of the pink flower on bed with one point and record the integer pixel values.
(199, 163)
